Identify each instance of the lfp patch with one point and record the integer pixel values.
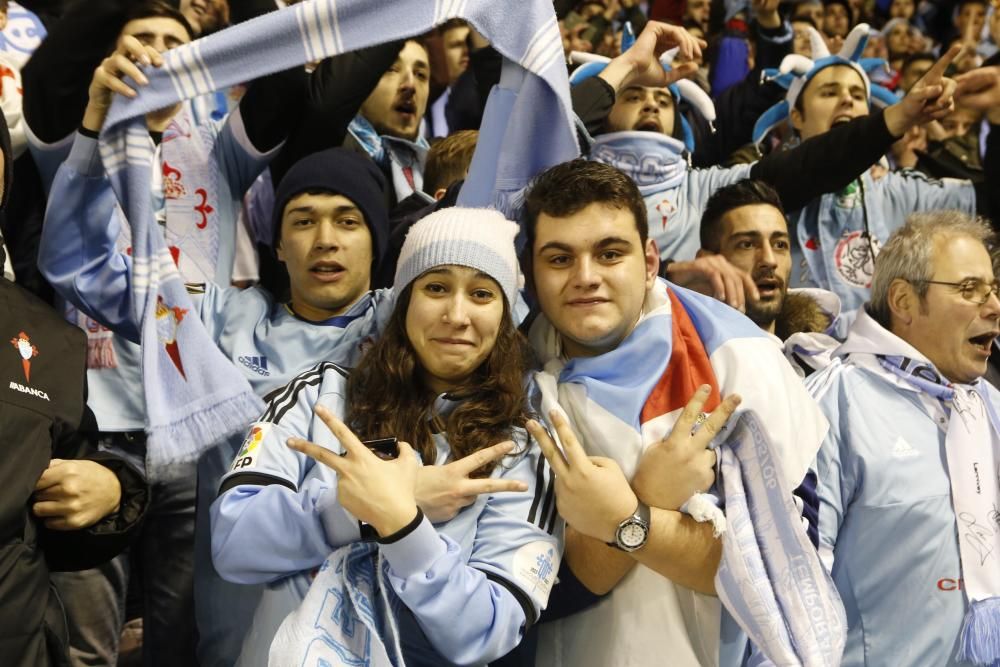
(247, 456)
(535, 567)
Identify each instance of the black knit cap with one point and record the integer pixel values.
(340, 172)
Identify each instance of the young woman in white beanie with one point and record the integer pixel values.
(406, 573)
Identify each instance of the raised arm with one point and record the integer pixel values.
(77, 253)
(830, 161)
(980, 89)
(337, 89)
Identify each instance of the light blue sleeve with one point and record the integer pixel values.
(48, 157)
(702, 183)
(77, 253)
(910, 191)
(835, 477)
(277, 513)
(502, 588)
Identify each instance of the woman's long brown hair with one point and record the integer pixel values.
(387, 397)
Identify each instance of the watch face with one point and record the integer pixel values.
(632, 535)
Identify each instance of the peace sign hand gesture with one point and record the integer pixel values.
(592, 494)
(442, 491)
(681, 464)
(378, 492)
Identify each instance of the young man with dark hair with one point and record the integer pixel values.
(914, 68)
(623, 352)
(837, 18)
(745, 223)
(837, 235)
(330, 228)
(371, 101)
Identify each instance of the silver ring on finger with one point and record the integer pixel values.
(699, 420)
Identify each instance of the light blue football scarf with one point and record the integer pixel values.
(347, 616)
(770, 578)
(399, 157)
(529, 114)
(972, 445)
(654, 161)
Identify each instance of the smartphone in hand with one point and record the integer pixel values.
(385, 448)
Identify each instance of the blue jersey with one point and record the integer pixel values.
(278, 518)
(886, 522)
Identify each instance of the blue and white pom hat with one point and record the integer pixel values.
(797, 71)
(592, 65)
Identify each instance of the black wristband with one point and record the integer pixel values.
(404, 531)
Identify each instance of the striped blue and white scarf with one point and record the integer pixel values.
(528, 114)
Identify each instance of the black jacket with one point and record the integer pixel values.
(42, 406)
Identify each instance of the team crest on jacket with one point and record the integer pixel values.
(535, 567)
(22, 343)
(854, 258)
(168, 318)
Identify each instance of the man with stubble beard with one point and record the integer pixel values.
(745, 223)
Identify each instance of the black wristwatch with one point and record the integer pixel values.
(633, 532)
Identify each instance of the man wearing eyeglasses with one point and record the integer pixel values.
(909, 515)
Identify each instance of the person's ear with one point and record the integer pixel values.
(903, 302)
(440, 193)
(703, 253)
(278, 252)
(796, 118)
(652, 256)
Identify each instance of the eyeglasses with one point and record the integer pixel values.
(976, 291)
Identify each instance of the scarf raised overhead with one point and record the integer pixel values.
(770, 578)
(194, 396)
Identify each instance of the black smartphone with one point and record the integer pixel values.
(384, 448)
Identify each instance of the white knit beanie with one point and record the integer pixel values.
(478, 238)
